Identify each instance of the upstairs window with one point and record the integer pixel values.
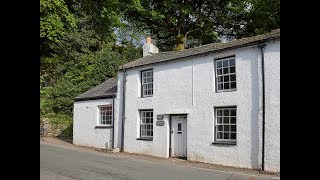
(147, 83)
(226, 74)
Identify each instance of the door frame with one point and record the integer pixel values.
(170, 127)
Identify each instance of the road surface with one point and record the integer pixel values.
(58, 162)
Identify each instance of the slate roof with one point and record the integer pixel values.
(104, 90)
(172, 55)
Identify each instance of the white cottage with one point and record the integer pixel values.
(218, 103)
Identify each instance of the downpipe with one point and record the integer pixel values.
(261, 46)
(123, 107)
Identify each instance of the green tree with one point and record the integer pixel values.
(55, 22)
(173, 23)
(250, 17)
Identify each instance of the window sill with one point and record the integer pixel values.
(145, 139)
(224, 143)
(103, 127)
(146, 97)
(222, 91)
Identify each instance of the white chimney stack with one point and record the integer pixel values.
(149, 48)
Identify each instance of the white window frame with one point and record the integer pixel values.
(143, 123)
(220, 122)
(222, 76)
(145, 83)
(106, 114)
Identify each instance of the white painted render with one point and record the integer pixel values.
(85, 120)
(188, 87)
(272, 95)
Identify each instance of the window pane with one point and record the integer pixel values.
(226, 78)
(226, 86)
(226, 112)
(233, 136)
(219, 112)
(233, 120)
(226, 128)
(233, 112)
(219, 71)
(232, 62)
(232, 69)
(225, 63)
(148, 133)
(143, 120)
(219, 120)
(219, 64)
(225, 70)
(226, 120)
(151, 114)
(179, 126)
(225, 135)
(220, 128)
(220, 79)
(233, 128)
(233, 85)
(232, 77)
(219, 135)
(220, 86)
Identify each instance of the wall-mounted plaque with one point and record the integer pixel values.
(160, 123)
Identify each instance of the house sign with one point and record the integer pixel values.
(160, 123)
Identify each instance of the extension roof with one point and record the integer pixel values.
(104, 90)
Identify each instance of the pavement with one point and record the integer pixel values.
(64, 161)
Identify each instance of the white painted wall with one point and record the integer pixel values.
(272, 96)
(188, 86)
(85, 120)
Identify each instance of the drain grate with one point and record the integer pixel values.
(269, 173)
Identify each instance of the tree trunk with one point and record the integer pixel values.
(180, 42)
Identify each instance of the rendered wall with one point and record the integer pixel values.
(272, 96)
(84, 122)
(188, 86)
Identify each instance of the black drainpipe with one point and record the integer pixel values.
(113, 122)
(123, 107)
(261, 46)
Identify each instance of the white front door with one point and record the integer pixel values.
(179, 136)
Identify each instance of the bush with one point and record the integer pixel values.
(61, 119)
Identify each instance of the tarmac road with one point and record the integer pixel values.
(57, 162)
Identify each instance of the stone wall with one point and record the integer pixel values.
(53, 130)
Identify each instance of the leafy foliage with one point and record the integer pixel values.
(177, 24)
(79, 50)
(172, 21)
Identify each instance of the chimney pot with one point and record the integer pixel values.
(148, 40)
